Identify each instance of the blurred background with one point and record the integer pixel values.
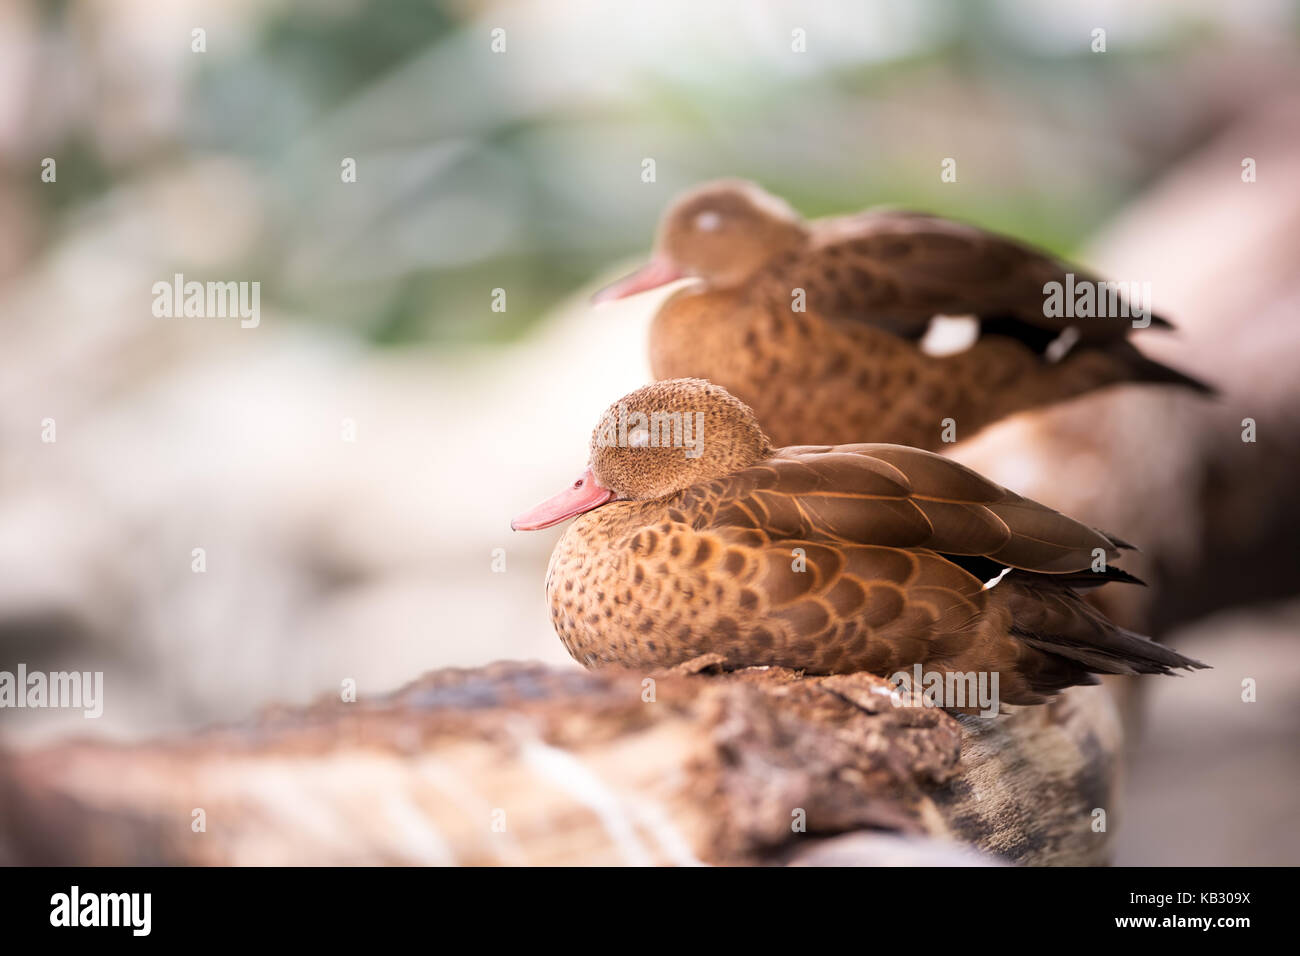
(349, 466)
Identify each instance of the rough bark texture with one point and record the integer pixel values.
(526, 764)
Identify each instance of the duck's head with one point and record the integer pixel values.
(721, 232)
(655, 442)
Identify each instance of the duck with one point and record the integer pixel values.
(900, 325)
(693, 535)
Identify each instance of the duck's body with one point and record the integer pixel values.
(860, 379)
(822, 327)
(840, 559)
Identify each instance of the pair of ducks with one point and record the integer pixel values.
(696, 535)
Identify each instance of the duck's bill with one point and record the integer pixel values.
(650, 276)
(583, 495)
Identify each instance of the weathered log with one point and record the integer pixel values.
(526, 764)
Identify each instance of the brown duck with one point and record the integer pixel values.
(695, 536)
(825, 328)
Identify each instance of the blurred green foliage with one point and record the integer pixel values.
(479, 171)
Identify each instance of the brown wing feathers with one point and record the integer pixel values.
(903, 497)
(897, 269)
(922, 514)
(1055, 619)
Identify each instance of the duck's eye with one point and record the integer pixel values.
(708, 221)
(638, 438)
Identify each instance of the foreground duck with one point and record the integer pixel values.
(826, 328)
(695, 536)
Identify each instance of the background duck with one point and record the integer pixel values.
(864, 557)
(857, 354)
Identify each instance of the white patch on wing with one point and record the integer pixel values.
(1060, 346)
(992, 582)
(950, 334)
